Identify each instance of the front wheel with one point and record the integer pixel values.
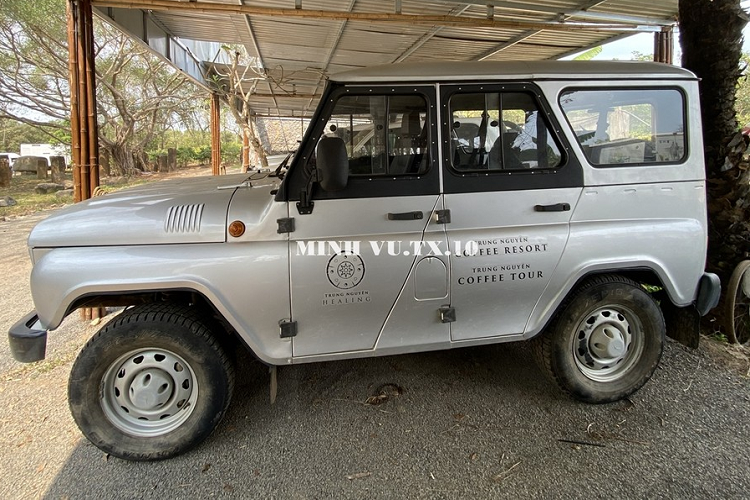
(605, 342)
(151, 384)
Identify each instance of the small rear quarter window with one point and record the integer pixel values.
(634, 126)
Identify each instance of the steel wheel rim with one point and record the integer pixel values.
(607, 343)
(149, 392)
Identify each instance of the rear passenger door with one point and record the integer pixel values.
(510, 186)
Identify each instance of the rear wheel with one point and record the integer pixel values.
(737, 305)
(151, 384)
(605, 342)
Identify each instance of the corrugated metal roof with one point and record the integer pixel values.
(298, 52)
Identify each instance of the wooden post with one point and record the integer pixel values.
(215, 134)
(82, 80)
(162, 162)
(57, 167)
(5, 173)
(83, 123)
(75, 128)
(93, 125)
(171, 159)
(41, 168)
(664, 46)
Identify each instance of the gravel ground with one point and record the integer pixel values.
(473, 422)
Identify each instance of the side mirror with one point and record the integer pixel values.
(332, 164)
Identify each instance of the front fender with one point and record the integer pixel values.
(237, 279)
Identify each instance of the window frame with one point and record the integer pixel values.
(427, 149)
(500, 93)
(568, 173)
(427, 183)
(635, 88)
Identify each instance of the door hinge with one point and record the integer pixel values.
(443, 216)
(288, 329)
(305, 205)
(286, 225)
(447, 314)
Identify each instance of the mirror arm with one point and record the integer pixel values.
(305, 205)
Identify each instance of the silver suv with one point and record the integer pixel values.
(429, 206)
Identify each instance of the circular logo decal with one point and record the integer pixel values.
(345, 270)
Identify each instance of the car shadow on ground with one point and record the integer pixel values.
(473, 421)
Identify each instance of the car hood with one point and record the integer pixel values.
(191, 210)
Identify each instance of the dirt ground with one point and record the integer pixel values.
(473, 422)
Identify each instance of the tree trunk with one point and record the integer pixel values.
(711, 39)
(123, 162)
(255, 144)
(104, 160)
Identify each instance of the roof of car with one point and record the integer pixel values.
(513, 70)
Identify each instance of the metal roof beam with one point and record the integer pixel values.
(528, 34)
(375, 17)
(509, 43)
(593, 45)
(581, 12)
(331, 52)
(256, 46)
(427, 36)
(142, 27)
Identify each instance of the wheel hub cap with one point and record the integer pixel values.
(151, 389)
(149, 392)
(606, 343)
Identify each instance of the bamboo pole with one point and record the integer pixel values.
(82, 102)
(75, 129)
(93, 128)
(200, 7)
(215, 134)
(83, 124)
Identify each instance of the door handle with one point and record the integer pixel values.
(406, 215)
(557, 207)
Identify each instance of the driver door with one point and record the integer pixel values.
(351, 257)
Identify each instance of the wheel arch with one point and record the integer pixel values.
(542, 316)
(183, 294)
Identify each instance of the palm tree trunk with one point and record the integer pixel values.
(711, 39)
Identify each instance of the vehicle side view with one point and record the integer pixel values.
(429, 206)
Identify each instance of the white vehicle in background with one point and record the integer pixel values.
(46, 151)
(429, 206)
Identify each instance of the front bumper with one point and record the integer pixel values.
(28, 341)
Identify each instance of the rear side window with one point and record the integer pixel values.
(385, 135)
(500, 131)
(617, 127)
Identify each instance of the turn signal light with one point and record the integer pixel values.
(237, 228)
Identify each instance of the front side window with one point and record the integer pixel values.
(385, 135)
(618, 127)
(500, 131)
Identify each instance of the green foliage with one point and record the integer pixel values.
(589, 54)
(230, 152)
(140, 97)
(13, 134)
(742, 103)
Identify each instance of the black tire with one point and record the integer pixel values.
(737, 307)
(605, 341)
(176, 376)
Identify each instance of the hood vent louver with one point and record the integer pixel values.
(184, 219)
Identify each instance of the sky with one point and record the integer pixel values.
(644, 43)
